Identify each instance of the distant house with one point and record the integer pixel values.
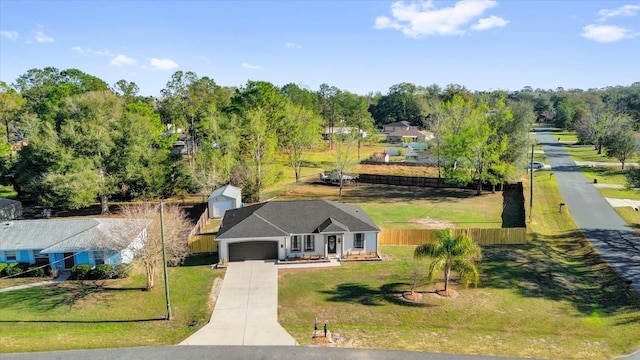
(10, 209)
(341, 130)
(380, 157)
(290, 229)
(223, 199)
(398, 125)
(406, 136)
(67, 242)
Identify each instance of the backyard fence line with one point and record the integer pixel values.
(503, 236)
(202, 222)
(199, 244)
(422, 181)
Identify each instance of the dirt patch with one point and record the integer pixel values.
(449, 294)
(429, 223)
(414, 297)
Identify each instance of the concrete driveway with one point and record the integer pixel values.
(246, 311)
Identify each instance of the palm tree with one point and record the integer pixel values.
(458, 253)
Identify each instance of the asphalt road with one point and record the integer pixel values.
(240, 353)
(616, 242)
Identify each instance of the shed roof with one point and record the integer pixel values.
(281, 218)
(229, 191)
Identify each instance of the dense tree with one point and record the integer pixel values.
(621, 144)
(598, 124)
(10, 105)
(403, 102)
(452, 252)
(302, 129)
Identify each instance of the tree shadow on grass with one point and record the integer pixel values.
(365, 295)
(562, 268)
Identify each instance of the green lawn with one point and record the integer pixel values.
(412, 207)
(632, 194)
(630, 216)
(605, 175)
(116, 313)
(587, 153)
(551, 298)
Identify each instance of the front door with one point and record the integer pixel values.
(331, 244)
(68, 260)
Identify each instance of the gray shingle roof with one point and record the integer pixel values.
(69, 235)
(278, 218)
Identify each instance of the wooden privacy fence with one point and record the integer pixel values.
(506, 236)
(202, 222)
(203, 244)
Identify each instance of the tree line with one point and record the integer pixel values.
(69, 138)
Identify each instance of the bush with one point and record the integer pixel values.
(121, 271)
(15, 269)
(2, 267)
(80, 271)
(35, 271)
(101, 272)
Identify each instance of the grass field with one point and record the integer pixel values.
(551, 298)
(587, 153)
(632, 194)
(605, 175)
(630, 216)
(114, 313)
(406, 207)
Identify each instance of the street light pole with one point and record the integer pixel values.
(164, 262)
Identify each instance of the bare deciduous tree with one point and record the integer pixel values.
(176, 232)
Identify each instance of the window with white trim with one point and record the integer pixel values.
(295, 243)
(98, 257)
(11, 255)
(358, 241)
(309, 242)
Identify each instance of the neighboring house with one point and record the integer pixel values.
(290, 229)
(341, 130)
(406, 136)
(65, 243)
(399, 125)
(380, 157)
(10, 209)
(223, 199)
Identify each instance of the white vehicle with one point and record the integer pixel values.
(535, 165)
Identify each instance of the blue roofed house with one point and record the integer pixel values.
(293, 229)
(64, 243)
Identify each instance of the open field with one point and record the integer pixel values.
(632, 194)
(587, 153)
(403, 207)
(630, 216)
(605, 175)
(113, 313)
(551, 298)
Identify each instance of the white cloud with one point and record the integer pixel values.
(488, 23)
(43, 38)
(249, 66)
(626, 10)
(103, 52)
(79, 50)
(163, 64)
(423, 18)
(122, 60)
(292, 45)
(606, 33)
(9, 34)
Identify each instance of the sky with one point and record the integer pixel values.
(359, 46)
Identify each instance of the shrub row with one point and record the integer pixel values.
(21, 269)
(100, 272)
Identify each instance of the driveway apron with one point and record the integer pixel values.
(246, 311)
(616, 242)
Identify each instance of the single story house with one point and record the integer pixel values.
(341, 130)
(10, 209)
(67, 242)
(223, 199)
(398, 125)
(297, 228)
(406, 136)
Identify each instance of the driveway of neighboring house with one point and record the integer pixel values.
(246, 311)
(616, 242)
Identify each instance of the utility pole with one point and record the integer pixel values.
(164, 261)
(531, 185)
